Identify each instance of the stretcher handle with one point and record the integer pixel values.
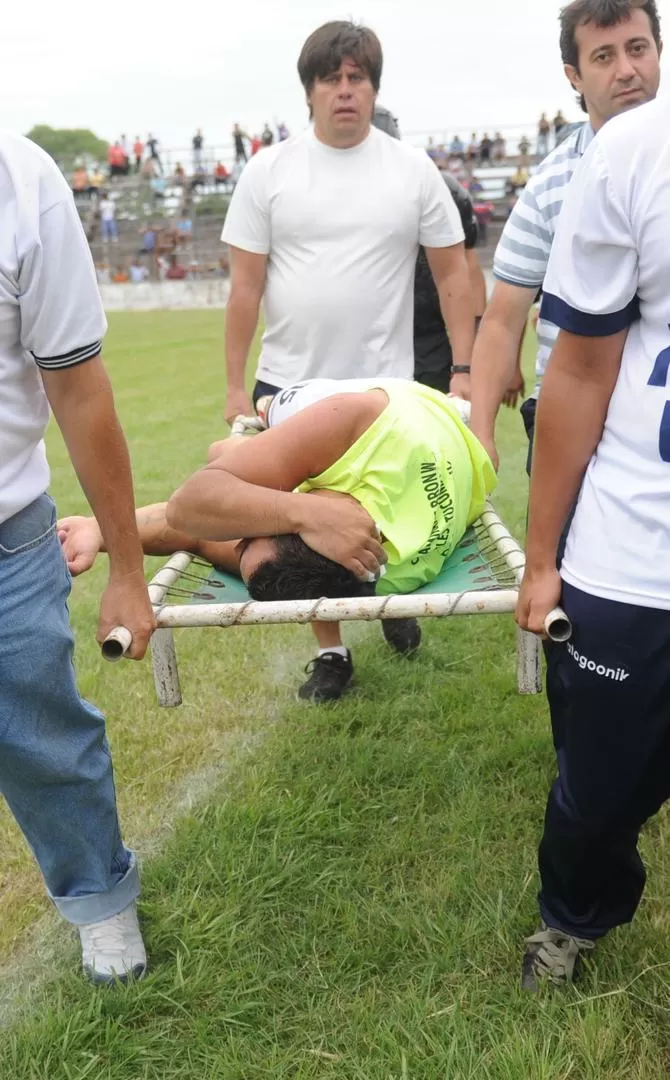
(557, 626)
(116, 644)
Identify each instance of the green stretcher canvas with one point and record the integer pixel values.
(466, 570)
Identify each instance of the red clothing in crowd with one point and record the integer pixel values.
(256, 144)
(176, 272)
(116, 156)
(221, 171)
(138, 149)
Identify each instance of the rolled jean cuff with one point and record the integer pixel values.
(80, 910)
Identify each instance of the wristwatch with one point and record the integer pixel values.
(460, 369)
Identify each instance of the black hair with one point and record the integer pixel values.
(299, 573)
(325, 49)
(600, 13)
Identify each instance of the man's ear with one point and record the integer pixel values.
(573, 77)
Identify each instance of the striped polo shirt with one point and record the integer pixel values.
(522, 254)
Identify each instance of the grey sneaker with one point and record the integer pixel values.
(552, 956)
(113, 950)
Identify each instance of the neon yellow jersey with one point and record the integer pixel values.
(421, 475)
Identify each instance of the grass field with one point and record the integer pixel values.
(327, 893)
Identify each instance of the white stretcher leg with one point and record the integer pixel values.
(166, 672)
(528, 663)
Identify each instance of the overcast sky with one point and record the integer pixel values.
(141, 65)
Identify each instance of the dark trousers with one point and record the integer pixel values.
(262, 389)
(609, 695)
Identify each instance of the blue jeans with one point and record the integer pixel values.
(55, 765)
(110, 230)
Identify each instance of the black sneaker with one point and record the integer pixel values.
(552, 956)
(403, 635)
(329, 676)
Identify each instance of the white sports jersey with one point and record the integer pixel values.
(610, 269)
(341, 229)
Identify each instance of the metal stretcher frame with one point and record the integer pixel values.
(495, 601)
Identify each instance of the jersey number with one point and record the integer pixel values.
(659, 377)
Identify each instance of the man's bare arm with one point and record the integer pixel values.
(249, 490)
(496, 357)
(247, 284)
(450, 272)
(82, 402)
(477, 282)
(571, 414)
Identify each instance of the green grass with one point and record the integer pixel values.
(336, 892)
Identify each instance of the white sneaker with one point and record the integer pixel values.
(113, 950)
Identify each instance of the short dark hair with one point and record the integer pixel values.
(601, 13)
(299, 573)
(327, 47)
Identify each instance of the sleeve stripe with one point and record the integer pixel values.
(77, 356)
(511, 275)
(571, 319)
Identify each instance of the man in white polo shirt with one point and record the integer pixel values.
(603, 424)
(55, 768)
(611, 55)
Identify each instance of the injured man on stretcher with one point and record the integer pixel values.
(356, 487)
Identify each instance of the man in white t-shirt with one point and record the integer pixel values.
(603, 424)
(110, 230)
(55, 767)
(325, 229)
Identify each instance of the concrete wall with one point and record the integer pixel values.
(166, 295)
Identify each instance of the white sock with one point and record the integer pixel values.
(341, 650)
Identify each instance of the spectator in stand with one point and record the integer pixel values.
(499, 148)
(154, 156)
(559, 124)
(158, 186)
(431, 149)
(184, 228)
(485, 150)
(256, 144)
(267, 138)
(138, 272)
(80, 182)
(282, 132)
(179, 173)
(103, 274)
(148, 233)
(457, 147)
(199, 178)
(149, 169)
(473, 148)
(517, 181)
(110, 230)
(543, 132)
(175, 270)
(117, 161)
(120, 276)
(524, 148)
(221, 175)
(198, 143)
(138, 150)
(238, 139)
